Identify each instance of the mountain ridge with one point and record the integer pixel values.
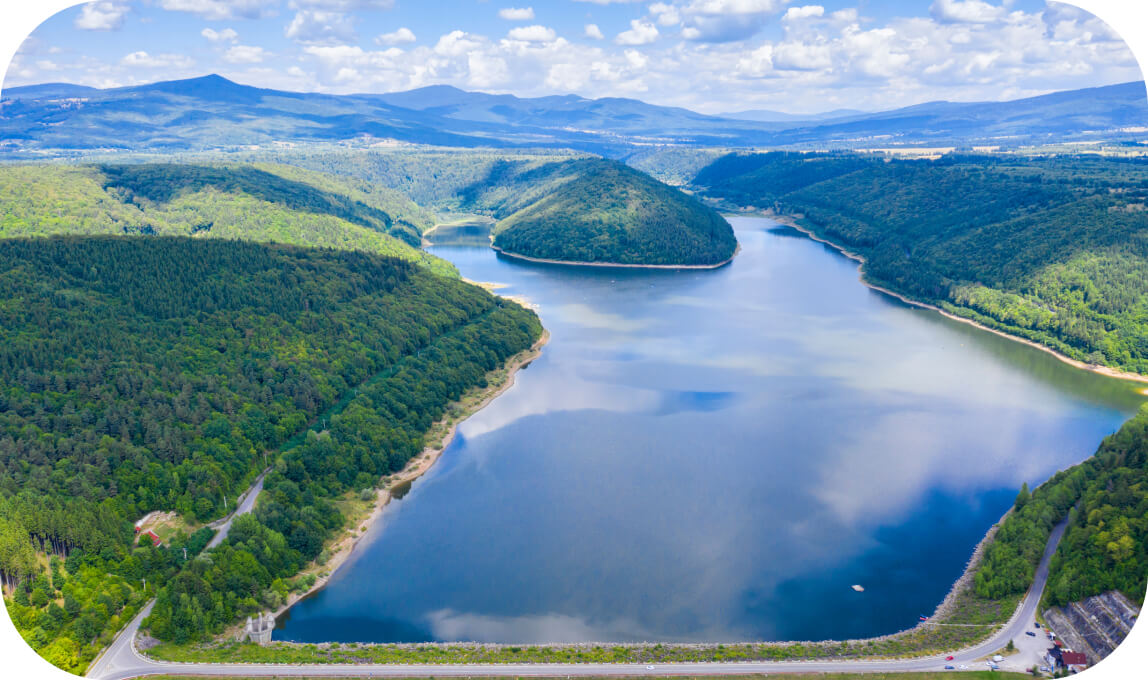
(212, 111)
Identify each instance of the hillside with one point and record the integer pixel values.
(212, 112)
(265, 203)
(1105, 547)
(598, 211)
(157, 373)
(1054, 250)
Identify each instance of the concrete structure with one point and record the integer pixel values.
(259, 630)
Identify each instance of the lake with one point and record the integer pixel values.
(715, 456)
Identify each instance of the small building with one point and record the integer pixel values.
(259, 629)
(1054, 657)
(155, 539)
(1074, 661)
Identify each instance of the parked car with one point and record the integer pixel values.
(949, 657)
(1036, 624)
(1030, 633)
(949, 668)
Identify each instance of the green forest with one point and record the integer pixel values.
(596, 210)
(157, 373)
(1054, 249)
(550, 205)
(1105, 547)
(264, 203)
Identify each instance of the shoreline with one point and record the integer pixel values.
(344, 546)
(1106, 371)
(613, 265)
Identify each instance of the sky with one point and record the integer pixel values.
(711, 56)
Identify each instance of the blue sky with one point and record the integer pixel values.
(708, 55)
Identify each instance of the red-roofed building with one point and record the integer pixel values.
(155, 540)
(1074, 661)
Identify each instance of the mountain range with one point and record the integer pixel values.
(214, 112)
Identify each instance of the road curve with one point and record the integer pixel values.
(246, 504)
(123, 661)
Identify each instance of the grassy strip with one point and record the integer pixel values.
(926, 675)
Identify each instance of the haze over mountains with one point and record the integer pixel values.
(212, 112)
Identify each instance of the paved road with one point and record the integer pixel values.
(246, 503)
(120, 651)
(122, 661)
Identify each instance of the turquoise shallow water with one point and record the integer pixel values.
(715, 456)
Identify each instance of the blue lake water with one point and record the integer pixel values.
(715, 456)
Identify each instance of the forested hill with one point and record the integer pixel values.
(264, 202)
(600, 211)
(161, 373)
(1050, 249)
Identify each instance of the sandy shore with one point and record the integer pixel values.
(345, 545)
(1102, 370)
(613, 265)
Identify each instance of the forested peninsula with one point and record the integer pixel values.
(597, 211)
(143, 373)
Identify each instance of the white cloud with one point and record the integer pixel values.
(516, 13)
(342, 5)
(802, 57)
(640, 33)
(806, 12)
(608, 2)
(457, 43)
(226, 35)
(320, 27)
(221, 9)
(719, 20)
(402, 35)
(245, 54)
(144, 60)
(101, 16)
(666, 14)
(593, 32)
(533, 33)
(966, 11)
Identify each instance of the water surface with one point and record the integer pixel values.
(716, 456)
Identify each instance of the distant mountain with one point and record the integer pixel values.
(48, 91)
(213, 112)
(610, 114)
(767, 116)
(1110, 112)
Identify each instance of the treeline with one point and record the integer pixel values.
(376, 434)
(597, 210)
(268, 203)
(1105, 546)
(151, 373)
(1051, 249)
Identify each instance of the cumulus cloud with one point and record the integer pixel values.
(101, 16)
(516, 13)
(717, 20)
(533, 33)
(640, 33)
(144, 60)
(221, 9)
(342, 5)
(818, 60)
(398, 37)
(226, 35)
(966, 11)
(806, 12)
(245, 54)
(314, 27)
